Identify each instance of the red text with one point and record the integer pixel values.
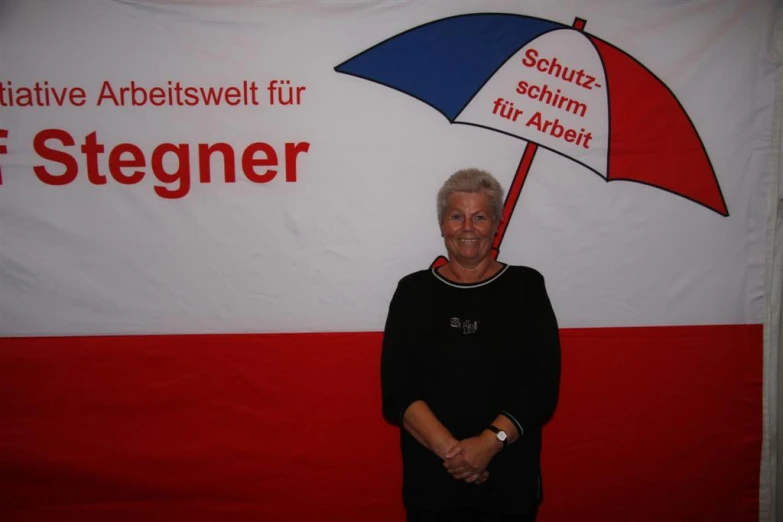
(127, 164)
(552, 67)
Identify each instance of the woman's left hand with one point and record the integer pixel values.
(470, 457)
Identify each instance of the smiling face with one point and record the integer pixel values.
(468, 228)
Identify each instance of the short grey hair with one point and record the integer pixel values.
(472, 181)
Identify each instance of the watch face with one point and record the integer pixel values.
(502, 436)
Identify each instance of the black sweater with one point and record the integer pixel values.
(471, 352)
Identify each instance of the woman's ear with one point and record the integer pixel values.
(497, 227)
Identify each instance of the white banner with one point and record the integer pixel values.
(202, 167)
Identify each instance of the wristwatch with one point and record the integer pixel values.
(500, 434)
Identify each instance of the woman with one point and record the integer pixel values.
(470, 370)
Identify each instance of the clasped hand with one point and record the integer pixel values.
(468, 459)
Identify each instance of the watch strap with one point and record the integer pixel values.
(497, 431)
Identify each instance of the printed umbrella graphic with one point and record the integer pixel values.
(554, 86)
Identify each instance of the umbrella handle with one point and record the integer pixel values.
(439, 262)
(513, 195)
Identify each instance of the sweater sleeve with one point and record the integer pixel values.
(534, 396)
(399, 388)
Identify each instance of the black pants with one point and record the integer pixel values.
(467, 515)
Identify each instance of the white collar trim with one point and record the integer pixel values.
(468, 286)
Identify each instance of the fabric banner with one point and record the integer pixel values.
(205, 208)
